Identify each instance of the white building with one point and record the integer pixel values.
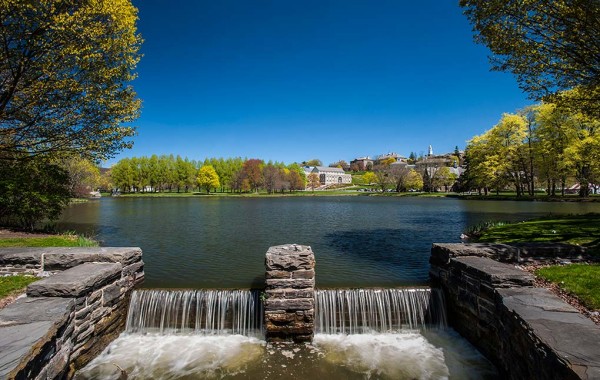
(329, 176)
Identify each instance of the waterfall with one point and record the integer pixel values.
(348, 311)
(356, 311)
(207, 312)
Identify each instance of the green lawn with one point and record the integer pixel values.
(50, 241)
(14, 284)
(581, 230)
(582, 280)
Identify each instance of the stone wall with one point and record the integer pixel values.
(69, 317)
(289, 293)
(527, 332)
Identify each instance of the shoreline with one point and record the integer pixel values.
(353, 193)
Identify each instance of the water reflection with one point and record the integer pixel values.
(210, 242)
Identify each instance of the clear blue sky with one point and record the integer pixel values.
(291, 80)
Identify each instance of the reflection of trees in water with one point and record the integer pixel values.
(394, 246)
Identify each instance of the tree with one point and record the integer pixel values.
(369, 178)
(412, 158)
(31, 191)
(444, 178)
(314, 162)
(271, 177)
(398, 176)
(382, 176)
(313, 181)
(65, 69)
(84, 176)
(207, 178)
(297, 177)
(340, 164)
(253, 172)
(414, 181)
(549, 46)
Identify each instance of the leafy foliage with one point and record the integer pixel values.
(31, 191)
(65, 68)
(207, 178)
(550, 46)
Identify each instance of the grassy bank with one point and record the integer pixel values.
(581, 230)
(581, 280)
(11, 286)
(65, 240)
(14, 285)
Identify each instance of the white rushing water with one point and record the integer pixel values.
(356, 311)
(409, 355)
(361, 334)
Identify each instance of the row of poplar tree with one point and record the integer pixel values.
(174, 173)
(541, 147)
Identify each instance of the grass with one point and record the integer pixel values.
(12, 285)
(583, 280)
(581, 230)
(65, 240)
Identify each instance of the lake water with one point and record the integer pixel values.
(359, 242)
(212, 242)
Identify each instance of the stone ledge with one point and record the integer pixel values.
(497, 274)
(68, 257)
(76, 281)
(574, 338)
(26, 326)
(441, 253)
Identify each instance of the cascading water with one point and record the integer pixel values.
(361, 333)
(208, 312)
(357, 311)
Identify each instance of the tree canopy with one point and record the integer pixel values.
(551, 46)
(65, 68)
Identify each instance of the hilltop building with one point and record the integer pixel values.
(329, 176)
(361, 163)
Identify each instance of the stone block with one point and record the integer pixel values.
(290, 304)
(94, 296)
(20, 256)
(281, 274)
(492, 272)
(280, 318)
(289, 257)
(298, 283)
(58, 365)
(291, 293)
(110, 294)
(76, 282)
(83, 313)
(99, 313)
(63, 258)
(306, 274)
(132, 269)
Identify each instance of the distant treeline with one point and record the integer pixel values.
(174, 173)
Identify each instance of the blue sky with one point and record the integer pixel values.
(292, 80)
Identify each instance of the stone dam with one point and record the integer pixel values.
(68, 317)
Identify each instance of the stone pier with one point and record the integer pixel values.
(289, 293)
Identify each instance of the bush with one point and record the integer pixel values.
(31, 191)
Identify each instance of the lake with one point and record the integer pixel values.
(360, 241)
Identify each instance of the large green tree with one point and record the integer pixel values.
(550, 46)
(65, 69)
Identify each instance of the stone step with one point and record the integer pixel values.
(76, 281)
